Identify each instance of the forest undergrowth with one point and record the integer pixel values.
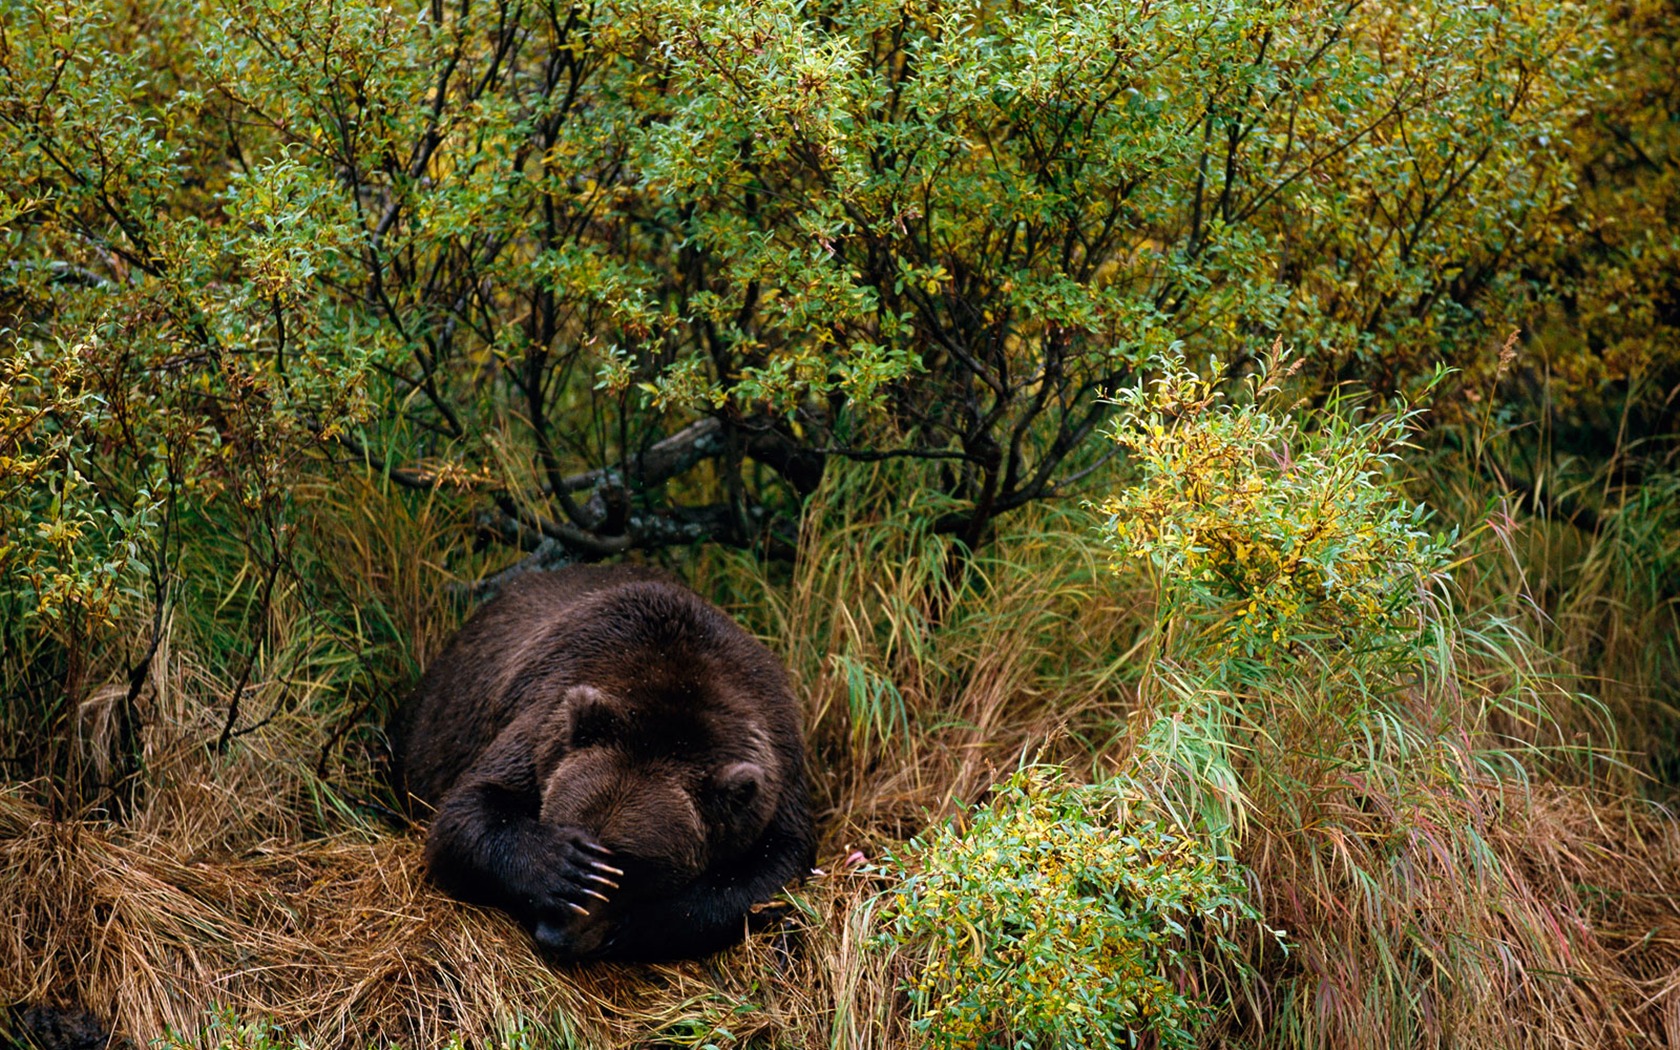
(1488, 873)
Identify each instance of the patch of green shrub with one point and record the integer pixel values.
(1313, 695)
(1065, 914)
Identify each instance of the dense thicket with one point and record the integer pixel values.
(631, 274)
(636, 271)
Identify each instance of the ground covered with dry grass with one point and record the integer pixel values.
(260, 895)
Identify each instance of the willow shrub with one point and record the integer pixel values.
(1065, 915)
(630, 272)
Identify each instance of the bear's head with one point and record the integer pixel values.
(672, 786)
(660, 781)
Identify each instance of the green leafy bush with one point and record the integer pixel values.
(70, 553)
(1065, 915)
(632, 272)
(63, 550)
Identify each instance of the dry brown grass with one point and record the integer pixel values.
(1564, 933)
(340, 941)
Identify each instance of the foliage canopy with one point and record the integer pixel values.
(630, 273)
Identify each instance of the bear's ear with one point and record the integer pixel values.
(739, 784)
(591, 717)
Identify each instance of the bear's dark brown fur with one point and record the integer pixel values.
(39, 1026)
(612, 760)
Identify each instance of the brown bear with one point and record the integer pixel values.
(612, 760)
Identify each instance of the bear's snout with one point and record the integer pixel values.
(578, 939)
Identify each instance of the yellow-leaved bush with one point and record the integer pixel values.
(1272, 533)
